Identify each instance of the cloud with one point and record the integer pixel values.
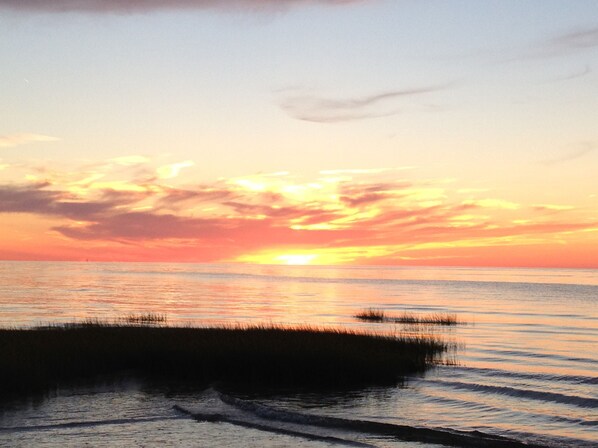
(175, 196)
(327, 110)
(564, 44)
(11, 140)
(142, 6)
(575, 75)
(492, 203)
(585, 149)
(34, 199)
(173, 170)
(585, 38)
(141, 226)
(353, 219)
(362, 195)
(552, 207)
(237, 233)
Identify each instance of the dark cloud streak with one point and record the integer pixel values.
(143, 6)
(581, 152)
(586, 38)
(566, 44)
(38, 201)
(579, 74)
(327, 110)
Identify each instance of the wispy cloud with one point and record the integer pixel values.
(309, 107)
(574, 75)
(140, 6)
(585, 149)
(11, 140)
(563, 45)
(577, 40)
(175, 197)
(358, 195)
(493, 203)
(552, 207)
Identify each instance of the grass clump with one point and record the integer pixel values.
(376, 315)
(42, 358)
(371, 315)
(144, 319)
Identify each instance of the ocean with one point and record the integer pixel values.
(525, 364)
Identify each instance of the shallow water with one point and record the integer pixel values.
(527, 367)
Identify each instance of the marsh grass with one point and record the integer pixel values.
(144, 319)
(377, 315)
(38, 359)
(371, 315)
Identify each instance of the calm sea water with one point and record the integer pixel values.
(527, 367)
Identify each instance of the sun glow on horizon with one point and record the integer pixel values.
(297, 259)
(289, 258)
(285, 258)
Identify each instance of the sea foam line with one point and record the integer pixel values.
(221, 418)
(259, 416)
(87, 424)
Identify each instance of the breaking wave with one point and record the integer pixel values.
(219, 407)
(85, 424)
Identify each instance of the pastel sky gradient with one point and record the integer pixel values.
(430, 132)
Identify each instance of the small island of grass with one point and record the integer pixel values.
(377, 315)
(41, 358)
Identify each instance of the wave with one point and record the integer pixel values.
(222, 418)
(573, 379)
(555, 397)
(254, 415)
(529, 354)
(86, 424)
(476, 406)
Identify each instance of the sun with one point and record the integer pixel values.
(304, 257)
(287, 258)
(296, 259)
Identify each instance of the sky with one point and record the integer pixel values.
(369, 132)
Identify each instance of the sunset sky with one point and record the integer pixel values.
(397, 132)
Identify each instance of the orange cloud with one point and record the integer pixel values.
(282, 219)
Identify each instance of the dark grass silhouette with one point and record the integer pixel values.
(371, 315)
(144, 319)
(34, 360)
(377, 315)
